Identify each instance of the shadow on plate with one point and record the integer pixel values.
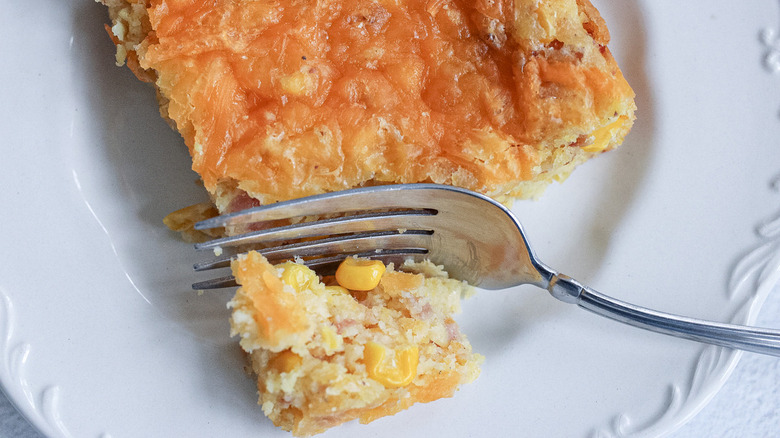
(133, 172)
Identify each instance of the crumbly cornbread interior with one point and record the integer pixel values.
(324, 354)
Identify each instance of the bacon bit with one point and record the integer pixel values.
(453, 332)
(242, 201)
(580, 141)
(426, 312)
(555, 45)
(343, 324)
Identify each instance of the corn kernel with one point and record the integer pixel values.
(336, 290)
(331, 338)
(359, 274)
(285, 361)
(603, 135)
(403, 371)
(298, 276)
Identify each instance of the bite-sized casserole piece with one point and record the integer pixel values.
(368, 343)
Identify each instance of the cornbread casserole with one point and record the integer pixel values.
(279, 100)
(365, 344)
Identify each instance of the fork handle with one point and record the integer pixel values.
(757, 340)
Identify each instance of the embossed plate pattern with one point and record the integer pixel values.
(100, 336)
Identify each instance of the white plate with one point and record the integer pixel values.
(100, 335)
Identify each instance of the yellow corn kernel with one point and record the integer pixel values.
(336, 289)
(331, 338)
(298, 276)
(603, 135)
(359, 274)
(285, 361)
(403, 371)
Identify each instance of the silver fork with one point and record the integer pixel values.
(474, 237)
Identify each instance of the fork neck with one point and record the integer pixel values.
(560, 286)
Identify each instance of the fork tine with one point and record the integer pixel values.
(328, 265)
(393, 220)
(219, 262)
(216, 283)
(364, 198)
(357, 243)
(363, 242)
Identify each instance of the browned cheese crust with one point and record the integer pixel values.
(282, 101)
